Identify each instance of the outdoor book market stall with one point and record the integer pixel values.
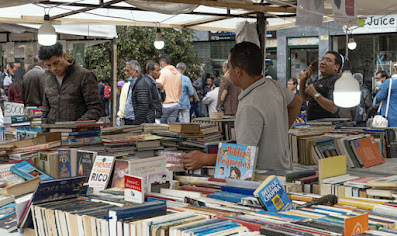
(88, 178)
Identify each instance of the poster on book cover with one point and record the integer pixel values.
(100, 173)
(345, 12)
(235, 161)
(310, 12)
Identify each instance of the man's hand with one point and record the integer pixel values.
(159, 86)
(196, 159)
(310, 90)
(304, 75)
(377, 88)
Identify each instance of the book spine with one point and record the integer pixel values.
(30, 148)
(88, 132)
(89, 140)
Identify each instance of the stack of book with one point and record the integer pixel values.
(78, 133)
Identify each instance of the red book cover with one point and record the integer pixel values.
(134, 188)
(368, 151)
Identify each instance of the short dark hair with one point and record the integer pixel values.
(145, 65)
(338, 59)
(294, 81)
(382, 73)
(166, 58)
(248, 56)
(151, 66)
(46, 52)
(217, 81)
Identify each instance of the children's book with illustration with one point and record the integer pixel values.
(235, 161)
(272, 196)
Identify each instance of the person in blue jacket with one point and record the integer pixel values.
(187, 92)
(382, 96)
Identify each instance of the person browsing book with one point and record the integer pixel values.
(71, 91)
(265, 112)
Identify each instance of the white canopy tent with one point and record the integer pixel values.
(196, 14)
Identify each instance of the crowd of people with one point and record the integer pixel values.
(160, 92)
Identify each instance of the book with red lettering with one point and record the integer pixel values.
(101, 172)
(235, 161)
(134, 188)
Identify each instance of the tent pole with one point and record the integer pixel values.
(114, 81)
(261, 27)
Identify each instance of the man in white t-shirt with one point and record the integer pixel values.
(265, 112)
(211, 98)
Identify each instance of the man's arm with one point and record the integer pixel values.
(196, 159)
(23, 89)
(223, 86)
(92, 98)
(293, 110)
(303, 77)
(325, 103)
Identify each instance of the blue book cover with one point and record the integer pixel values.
(87, 132)
(28, 171)
(58, 189)
(64, 156)
(7, 210)
(272, 195)
(209, 226)
(245, 191)
(229, 197)
(29, 128)
(235, 161)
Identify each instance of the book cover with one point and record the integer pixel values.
(83, 140)
(21, 135)
(48, 163)
(235, 161)
(85, 161)
(35, 147)
(145, 166)
(368, 151)
(134, 188)
(157, 181)
(28, 171)
(120, 169)
(272, 195)
(8, 176)
(8, 217)
(64, 159)
(101, 171)
(173, 160)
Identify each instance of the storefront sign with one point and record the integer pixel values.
(377, 24)
(271, 43)
(303, 41)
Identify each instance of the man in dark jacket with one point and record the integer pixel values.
(71, 92)
(139, 107)
(33, 85)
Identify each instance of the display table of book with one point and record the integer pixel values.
(87, 179)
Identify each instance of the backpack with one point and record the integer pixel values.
(107, 90)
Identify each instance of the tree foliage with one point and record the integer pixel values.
(136, 43)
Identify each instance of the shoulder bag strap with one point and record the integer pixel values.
(388, 98)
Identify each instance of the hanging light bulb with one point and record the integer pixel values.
(347, 89)
(352, 44)
(158, 42)
(47, 35)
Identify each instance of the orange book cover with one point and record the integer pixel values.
(356, 225)
(368, 151)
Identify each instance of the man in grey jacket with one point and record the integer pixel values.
(33, 85)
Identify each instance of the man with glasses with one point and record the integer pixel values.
(320, 94)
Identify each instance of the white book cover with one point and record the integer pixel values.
(101, 171)
(8, 176)
(146, 166)
(134, 188)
